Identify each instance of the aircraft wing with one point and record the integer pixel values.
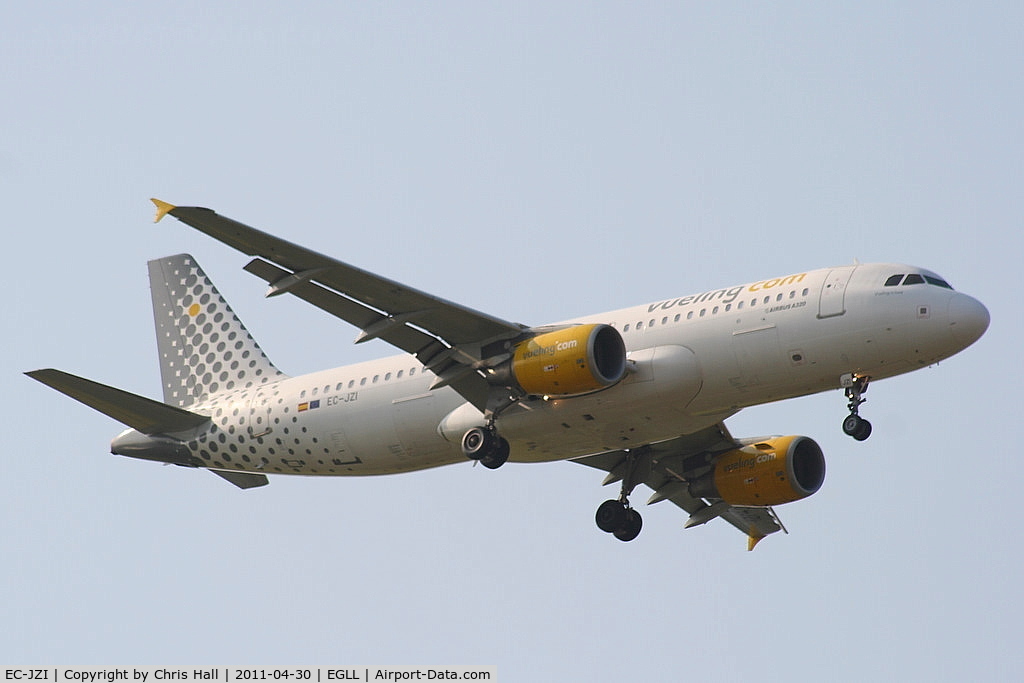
(447, 338)
(667, 466)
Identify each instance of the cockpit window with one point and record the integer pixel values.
(916, 279)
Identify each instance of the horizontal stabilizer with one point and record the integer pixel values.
(243, 480)
(141, 413)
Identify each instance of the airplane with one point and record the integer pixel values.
(641, 393)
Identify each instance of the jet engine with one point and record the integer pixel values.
(573, 360)
(769, 472)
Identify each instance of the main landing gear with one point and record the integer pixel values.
(616, 517)
(484, 444)
(854, 425)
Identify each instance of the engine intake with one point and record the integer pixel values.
(770, 472)
(574, 360)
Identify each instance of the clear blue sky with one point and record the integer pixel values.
(538, 163)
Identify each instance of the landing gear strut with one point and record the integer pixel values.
(854, 425)
(484, 444)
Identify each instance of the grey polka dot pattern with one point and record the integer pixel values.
(204, 348)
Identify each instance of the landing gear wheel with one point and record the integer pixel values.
(630, 529)
(851, 424)
(498, 454)
(864, 432)
(614, 517)
(857, 427)
(610, 516)
(476, 443)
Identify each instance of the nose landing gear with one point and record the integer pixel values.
(854, 425)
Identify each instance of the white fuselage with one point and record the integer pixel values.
(693, 361)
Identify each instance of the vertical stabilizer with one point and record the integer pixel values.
(204, 348)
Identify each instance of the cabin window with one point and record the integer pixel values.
(664, 320)
(412, 371)
(376, 378)
(676, 319)
(689, 316)
(351, 383)
(625, 328)
(387, 377)
(362, 382)
(399, 375)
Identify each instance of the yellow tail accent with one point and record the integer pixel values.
(162, 209)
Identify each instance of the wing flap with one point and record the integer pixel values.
(756, 523)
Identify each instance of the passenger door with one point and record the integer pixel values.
(833, 292)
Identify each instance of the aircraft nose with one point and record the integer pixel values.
(968, 319)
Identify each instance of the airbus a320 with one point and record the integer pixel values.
(641, 393)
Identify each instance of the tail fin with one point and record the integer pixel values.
(204, 347)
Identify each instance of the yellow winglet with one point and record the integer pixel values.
(162, 209)
(752, 541)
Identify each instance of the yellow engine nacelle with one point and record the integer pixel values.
(771, 472)
(573, 360)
